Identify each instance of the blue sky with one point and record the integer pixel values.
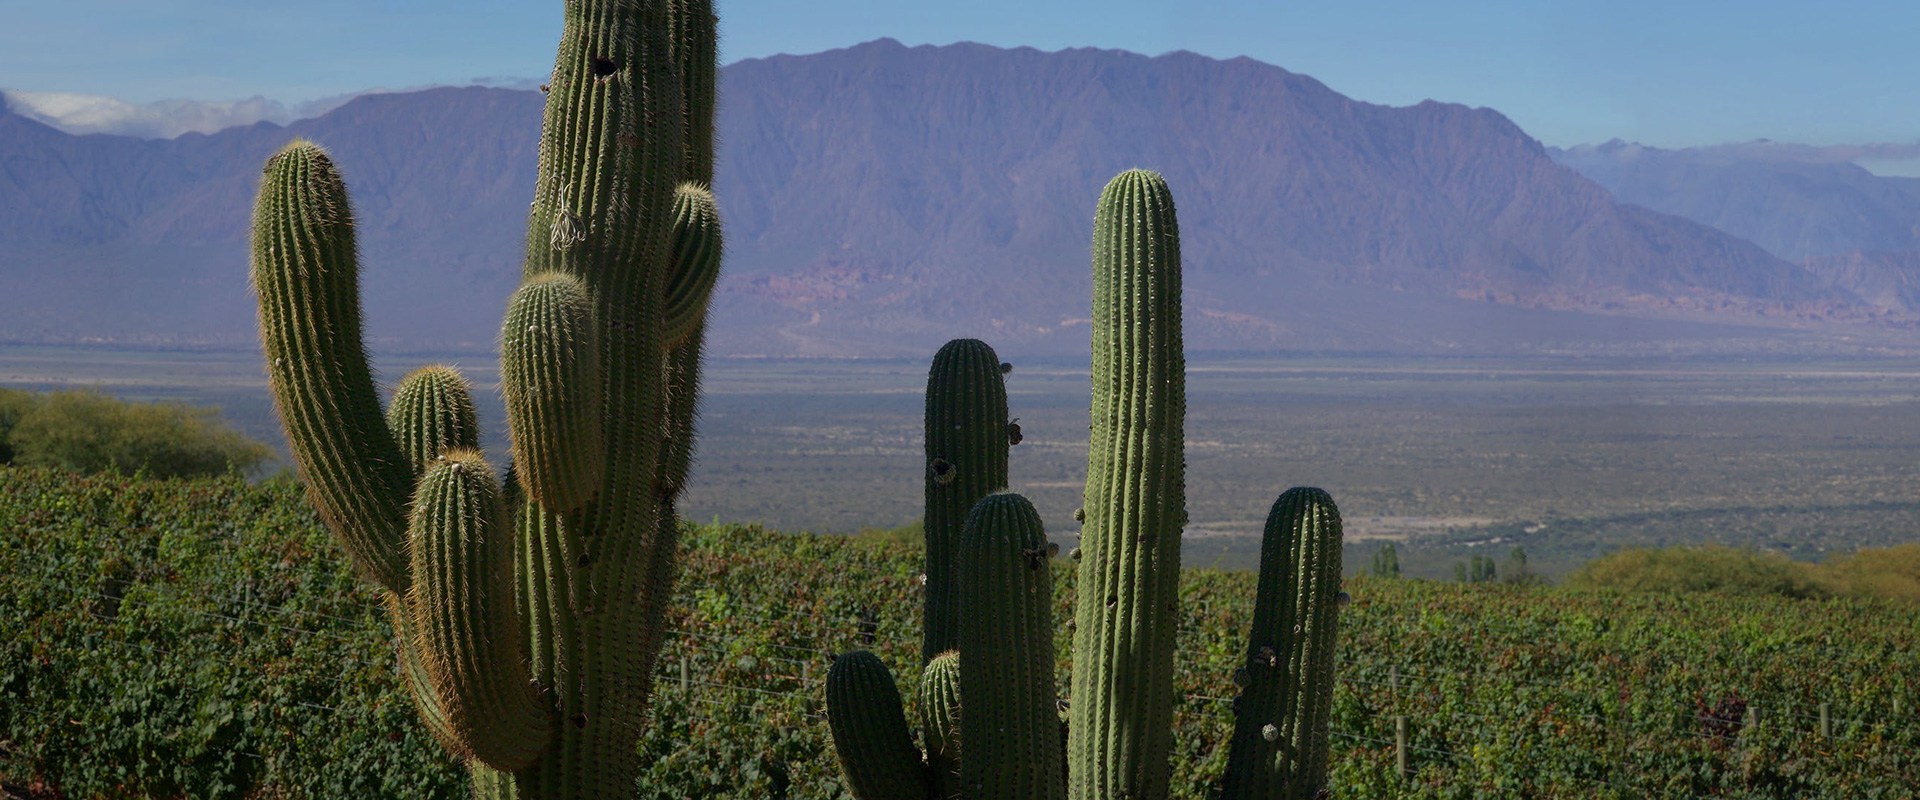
(1667, 72)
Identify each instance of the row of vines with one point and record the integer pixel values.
(203, 638)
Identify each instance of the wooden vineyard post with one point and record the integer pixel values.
(1400, 746)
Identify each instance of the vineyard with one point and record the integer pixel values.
(205, 638)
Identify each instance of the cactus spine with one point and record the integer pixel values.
(1120, 732)
(1126, 611)
(966, 447)
(529, 650)
(1289, 663)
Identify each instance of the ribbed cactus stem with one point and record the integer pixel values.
(306, 273)
(1127, 604)
(462, 617)
(550, 374)
(695, 35)
(432, 412)
(1006, 636)
(966, 460)
(870, 734)
(940, 723)
(1289, 663)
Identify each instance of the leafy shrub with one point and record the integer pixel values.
(89, 432)
(197, 638)
(1889, 572)
(1709, 568)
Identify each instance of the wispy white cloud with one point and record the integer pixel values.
(166, 119)
(82, 113)
(1765, 150)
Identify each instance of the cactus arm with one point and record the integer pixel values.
(306, 275)
(1279, 747)
(1006, 635)
(940, 723)
(966, 451)
(695, 261)
(550, 375)
(870, 733)
(432, 412)
(413, 672)
(1126, 609)
(462, 616)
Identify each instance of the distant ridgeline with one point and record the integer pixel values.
(856, 229)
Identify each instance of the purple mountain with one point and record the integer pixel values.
(882, 199)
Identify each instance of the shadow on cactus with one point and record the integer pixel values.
(989, 632)
(528, 616)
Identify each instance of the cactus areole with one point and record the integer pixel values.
(529, 616)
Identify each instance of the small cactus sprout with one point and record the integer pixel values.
(940, 722)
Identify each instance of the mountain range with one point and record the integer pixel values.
(1850, 227)
(881, 199)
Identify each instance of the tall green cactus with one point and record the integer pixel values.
(1126, 610)
(1127, 606)
(1286, 702)
(966, 447)
(1006, 634)
(529, 620)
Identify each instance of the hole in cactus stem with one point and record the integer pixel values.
(1112, 600)
(604, 68)
(942, 471)
(579, 720)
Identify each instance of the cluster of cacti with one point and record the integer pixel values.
(528, 617)
(994, 730)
